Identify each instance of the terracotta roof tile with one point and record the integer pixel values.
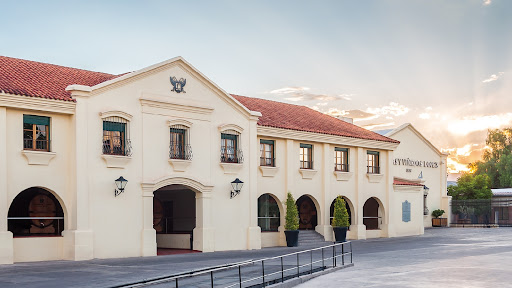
(301, 118)
(407, 183)
(36, 79)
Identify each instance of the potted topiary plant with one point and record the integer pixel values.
(340, 220)
(436, 221)
(291, 225)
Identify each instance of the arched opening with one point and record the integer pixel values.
(269, 216)
(35, 212)
(372, 214)
(308, 216)
(347, 205)
(174, 217)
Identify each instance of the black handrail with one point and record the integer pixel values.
(266, 278)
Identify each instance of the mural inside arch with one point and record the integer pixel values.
(307, 213)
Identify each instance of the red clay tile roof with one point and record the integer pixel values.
(295, 117)
(36, 79)
(404, 182)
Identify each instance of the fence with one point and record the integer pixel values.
(262, 272)
(481, 212)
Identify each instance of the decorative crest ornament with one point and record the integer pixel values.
(178, 85)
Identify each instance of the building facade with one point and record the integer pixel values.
(67, 135)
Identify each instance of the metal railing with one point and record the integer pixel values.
(373, 169)
(231, 155)
(262, 272)
(341, 167)
(117, 146)
(35, 226)
(267, 162)
(40, 145)
(183, 152)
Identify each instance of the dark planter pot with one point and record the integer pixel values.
(340, 233)
(292, 238)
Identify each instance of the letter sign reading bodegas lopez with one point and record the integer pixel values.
(409, 162)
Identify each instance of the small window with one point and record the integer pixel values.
(341, 159)
(229, 148)
(268, 213)
(36, 133)
(116, 140)
(373, 166)
(179, 146)
(306, 156)
(267, 153)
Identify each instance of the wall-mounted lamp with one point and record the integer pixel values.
(120, 183)
(237, 186)
(425, 190)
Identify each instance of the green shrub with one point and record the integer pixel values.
(340, 215)
(292, 214)
(437, 213)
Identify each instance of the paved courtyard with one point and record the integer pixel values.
(445, 257)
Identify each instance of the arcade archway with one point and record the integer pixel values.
(372, 214)
(308, 215)
(347, 205)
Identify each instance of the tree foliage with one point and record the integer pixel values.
(340, 214)
(470, 186)
(292, 214)
(497, 159)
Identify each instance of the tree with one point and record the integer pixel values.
(292, 214)
(340, 214)
(497, 159)
(470, 186)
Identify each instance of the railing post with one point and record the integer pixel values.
(333, 257)
(342, 254)
(351, 253)
(263, 271)
(211, 278)
(240, 275)
(311, 263)
(335, 260)
(282, 270)
(176, 282)
(323, 264)
(298, 271)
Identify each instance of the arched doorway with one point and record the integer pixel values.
(308, 216)
(35, 212)
(372, 214)
(174, 216)
(347, 205)
(269, 216)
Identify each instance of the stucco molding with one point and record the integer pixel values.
(174, 104)
(343, 176)
(418, 134)
(35, 103)
(374, 178)
(225, 127)
(308, 173)
(268, 171)
(38, 157)
(121, 114)
(180, 165)
(408, 188)
(231, 168)
(150, 187)
(183, 122)
(324, 138)
(116, 161)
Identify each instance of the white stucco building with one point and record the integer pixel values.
(180, 140)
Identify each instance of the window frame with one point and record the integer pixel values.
(372, 157)
(224, 148)
(36, 121)
(264, 161)
(120, 125)
(306, 163)
(177, 143)
(342, 155)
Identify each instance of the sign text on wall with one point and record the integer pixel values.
(410, 162)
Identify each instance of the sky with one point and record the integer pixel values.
(443, 65)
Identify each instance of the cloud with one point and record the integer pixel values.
(424, 116)
(301, 94)
(380, 125)
(471, 124)
(493, 77)
(487, 2)
(322, 104)
(460, 157)
(393, 108)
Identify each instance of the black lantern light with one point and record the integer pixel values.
(120, 183)
(237, 186)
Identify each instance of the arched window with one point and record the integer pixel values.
(35, 212)
(269, 218)
(348, 210)
(371, 214)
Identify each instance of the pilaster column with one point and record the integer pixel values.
(253, 231)
(358, 229)
(78, 236)
(388, 227)
(6, 241)
(148, 232)
(324, 226)
(204, 233)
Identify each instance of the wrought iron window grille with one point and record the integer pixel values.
(183, 152)
(306, 164)
(267, 161)
(231, 155)
(341, 167)
(117, 146)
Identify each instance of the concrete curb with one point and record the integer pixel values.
(296, 281)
